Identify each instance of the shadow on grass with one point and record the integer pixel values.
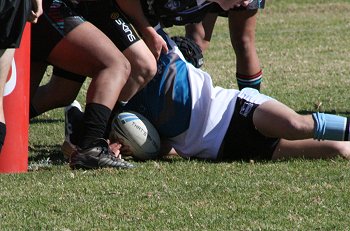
(334, 112)
(51, 153)
(47, 121)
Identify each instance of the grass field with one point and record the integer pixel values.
(304, 49)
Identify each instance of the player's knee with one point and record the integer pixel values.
(241, 44)
(297, 127)
(343, 149)
(144, 71)
(149, 70)
(121, 69)
(115, 70)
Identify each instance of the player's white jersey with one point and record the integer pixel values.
(211, 112)
(185, 107)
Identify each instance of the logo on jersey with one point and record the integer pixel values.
(246, 108)
(172, 5)
(11, 79)
(125, 27)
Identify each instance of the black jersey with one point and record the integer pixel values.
(175, 12)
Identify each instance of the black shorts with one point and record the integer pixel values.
(243, 142)
(107, 16)
(13, 18)
(58, 20)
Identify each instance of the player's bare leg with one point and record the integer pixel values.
(6, 56)
(143, 69)
(274, 119)
(201, 32)
(311, 149)
(242, 24)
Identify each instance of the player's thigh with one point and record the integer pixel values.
(204, 29)
(6, 56)
(107, 17)
(85, 50)
(242, 22)
(274, 119)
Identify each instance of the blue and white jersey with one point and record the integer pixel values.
(166, 100)
(183, 105)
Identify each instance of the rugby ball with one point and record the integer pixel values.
(134, 130)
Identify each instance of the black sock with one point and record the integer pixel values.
(76, 119)
(115, 111)
(2, 134)
(95, 121)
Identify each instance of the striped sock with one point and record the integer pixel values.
(252, 81)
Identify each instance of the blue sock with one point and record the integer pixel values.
(330, 127)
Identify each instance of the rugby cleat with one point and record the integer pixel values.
(99, 155)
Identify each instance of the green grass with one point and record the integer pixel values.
(304, 51)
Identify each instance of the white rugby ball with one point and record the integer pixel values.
(138, 133)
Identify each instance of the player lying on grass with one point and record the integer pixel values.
(201, 121)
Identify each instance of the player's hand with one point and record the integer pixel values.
(36, 12)
(119, 148)
(229, 4)
(115, 147)
(243, 3)
(155, 43)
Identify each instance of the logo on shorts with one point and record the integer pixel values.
(125, 27)
(11, 79)
(246, 108)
